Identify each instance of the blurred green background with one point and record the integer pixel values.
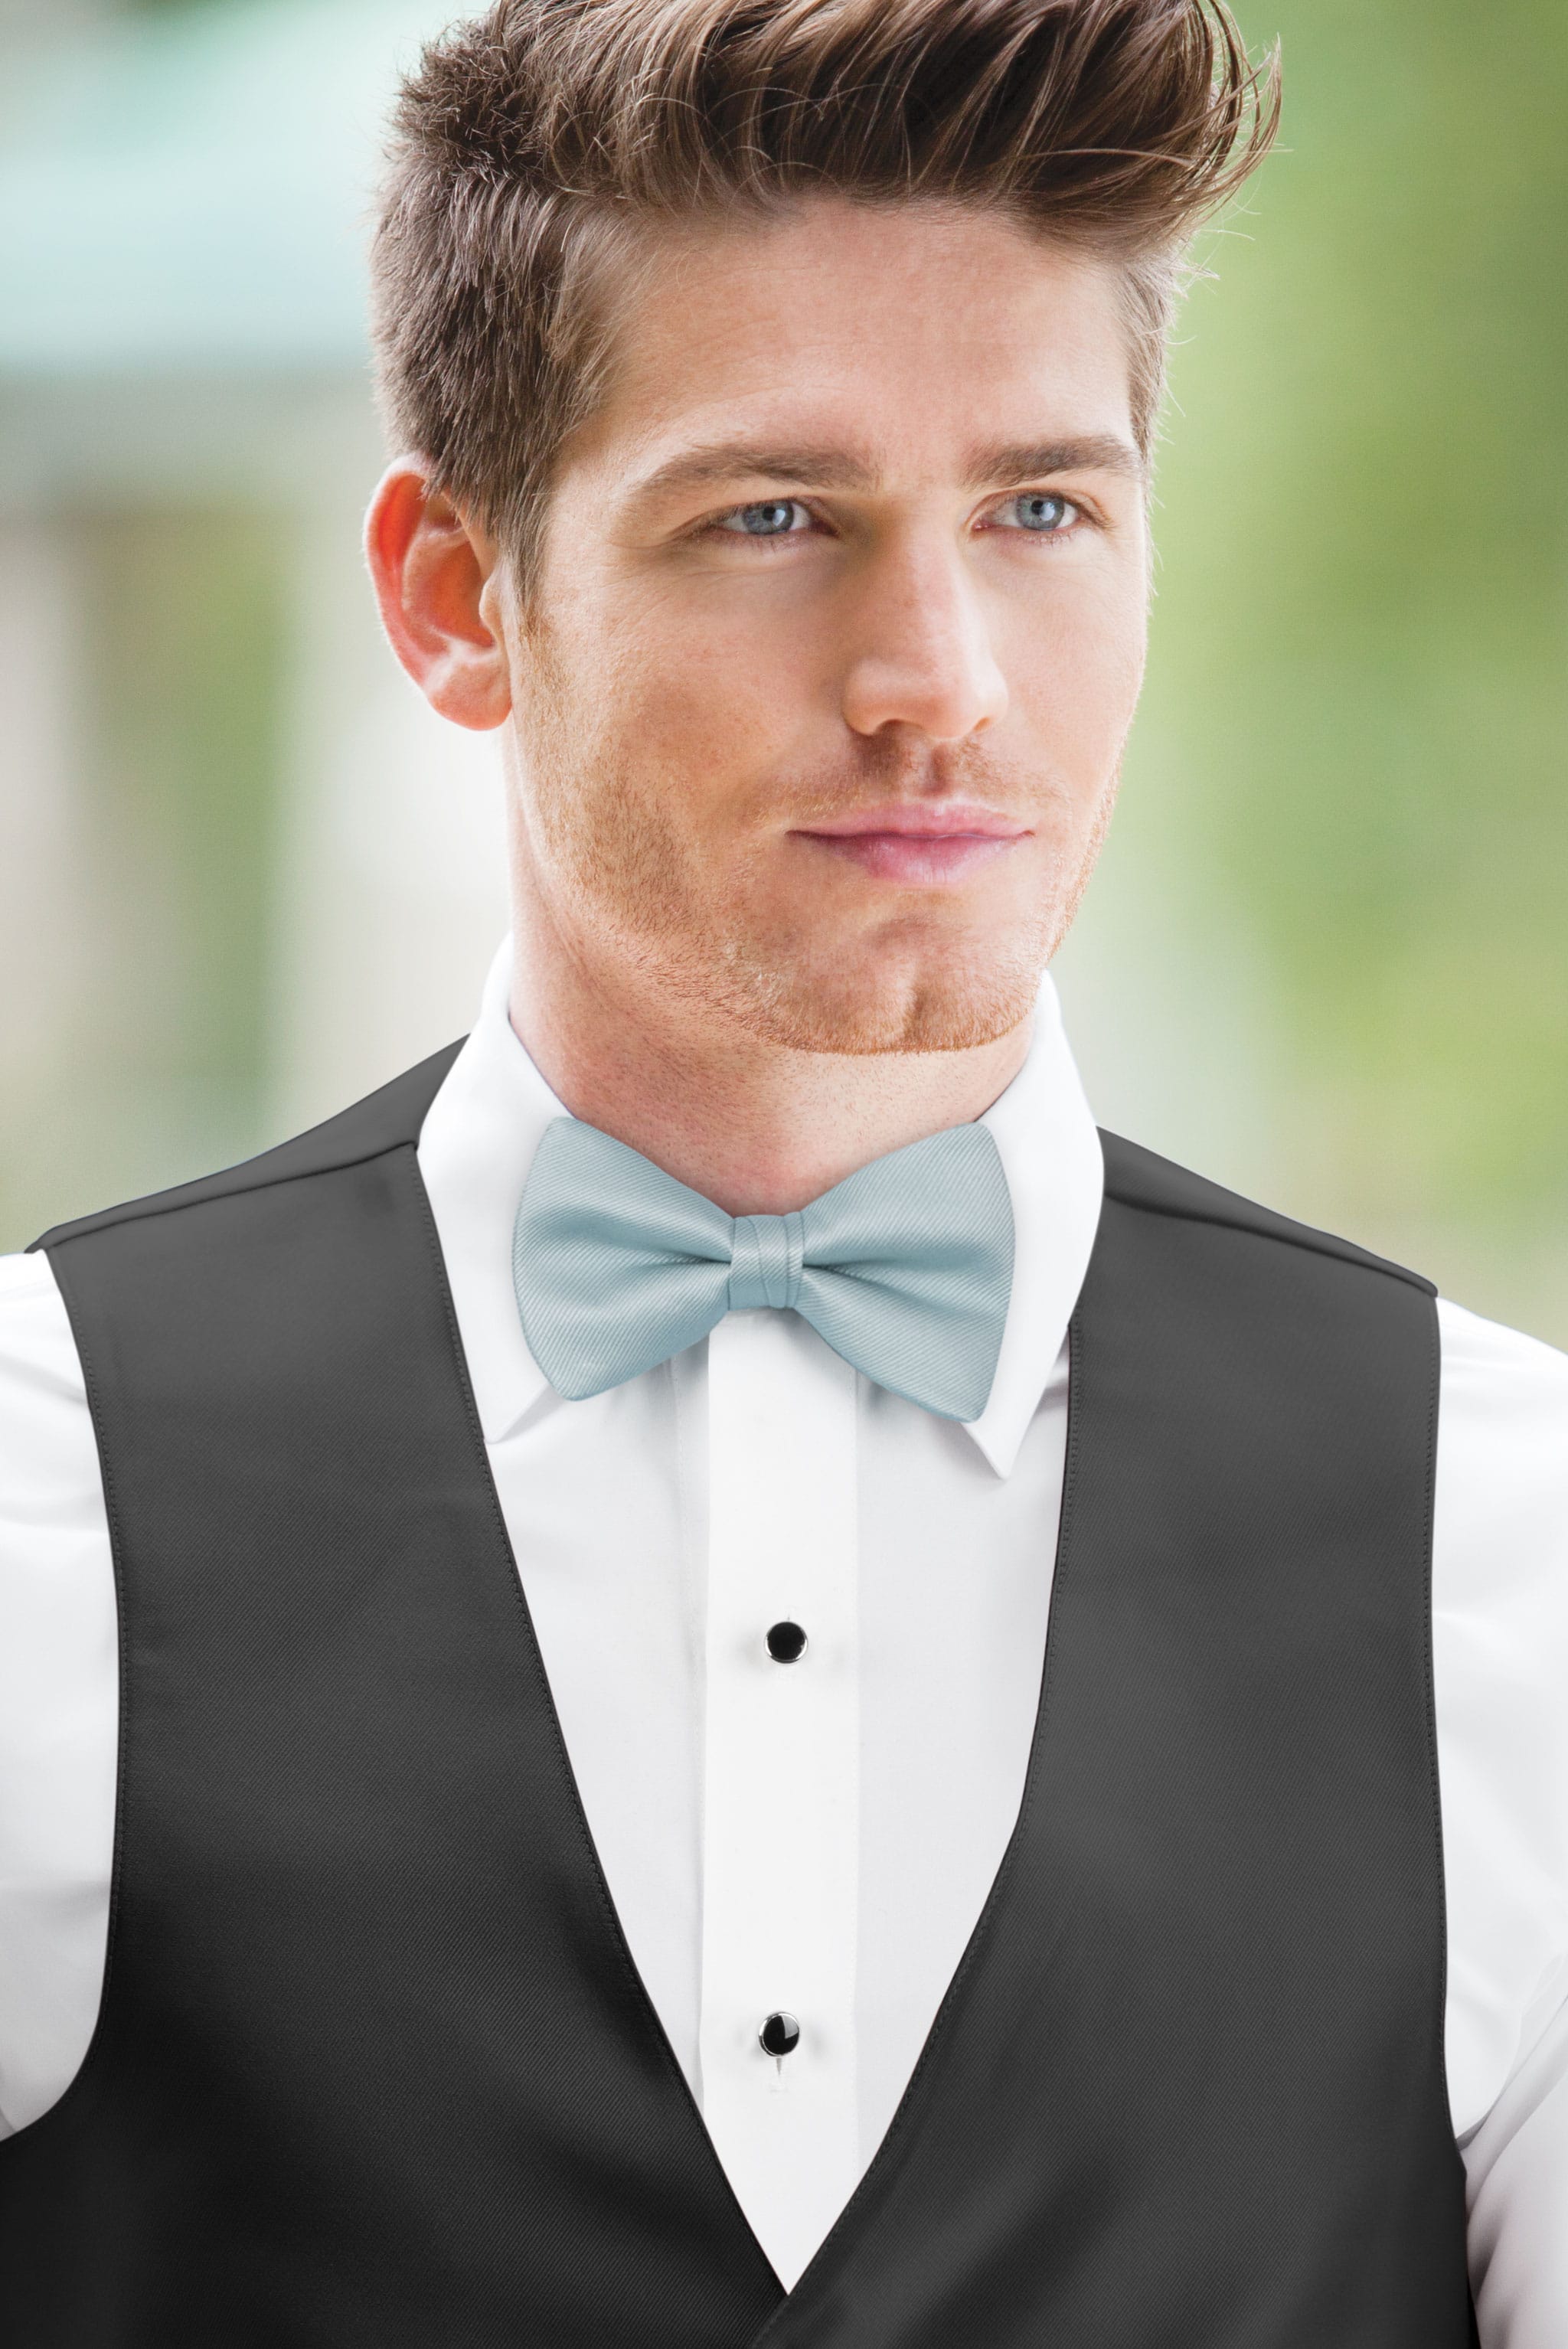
(244, 875)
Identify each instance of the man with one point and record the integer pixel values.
(604, 1849)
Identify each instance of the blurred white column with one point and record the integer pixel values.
(45, 913)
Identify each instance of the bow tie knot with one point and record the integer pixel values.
(768, 1260)
(904, 1268)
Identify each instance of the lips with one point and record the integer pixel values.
(918, 842)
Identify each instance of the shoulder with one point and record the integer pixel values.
(388, 1119)
(1140, 1179)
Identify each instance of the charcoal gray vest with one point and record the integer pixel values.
(374, 2068)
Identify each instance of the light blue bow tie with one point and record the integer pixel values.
(906, 1268)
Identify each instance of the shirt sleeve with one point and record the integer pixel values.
(58, 1700)
(1517, 2164)
(1499, 1588)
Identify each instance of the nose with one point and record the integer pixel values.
(920, 651)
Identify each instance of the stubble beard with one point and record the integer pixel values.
(622, 886)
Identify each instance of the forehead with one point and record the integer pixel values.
(904, 332)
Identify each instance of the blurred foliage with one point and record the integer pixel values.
(186, 693)
(1366, 666)
(155, 1052)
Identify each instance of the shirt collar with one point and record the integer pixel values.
(1049, 1146)
(484, 1125)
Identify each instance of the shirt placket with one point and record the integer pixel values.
(781, 1827)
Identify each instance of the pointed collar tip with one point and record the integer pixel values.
(504, 1402)
(998, 1436)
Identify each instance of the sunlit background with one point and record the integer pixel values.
(244, 875)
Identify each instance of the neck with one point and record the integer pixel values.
(758, 1128)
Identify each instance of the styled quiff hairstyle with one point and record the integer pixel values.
(533, 149)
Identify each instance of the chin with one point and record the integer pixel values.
(868, 1010)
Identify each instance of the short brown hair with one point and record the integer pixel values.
(528, 143)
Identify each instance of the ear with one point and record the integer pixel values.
(430, 570)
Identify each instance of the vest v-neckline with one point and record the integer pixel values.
(838, 2242)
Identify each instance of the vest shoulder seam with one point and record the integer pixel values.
(172, 1203)
(1359, 1260)
(1228, 1211)
(354, 1137)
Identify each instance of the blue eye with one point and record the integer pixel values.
(1043, 513)
(770, 519)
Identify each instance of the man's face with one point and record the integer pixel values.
(838, 629)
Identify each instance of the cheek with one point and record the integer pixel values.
(1079, 677)
(650, 760)
(707, 714)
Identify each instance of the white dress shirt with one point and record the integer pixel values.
(821, 1836)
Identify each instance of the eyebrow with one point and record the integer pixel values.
(1095, 452)
(835, 468)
